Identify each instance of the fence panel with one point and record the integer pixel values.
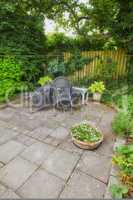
(90, 70)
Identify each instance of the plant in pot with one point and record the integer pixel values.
(97, 88)
(86, 136)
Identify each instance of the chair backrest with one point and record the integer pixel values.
(61, 82)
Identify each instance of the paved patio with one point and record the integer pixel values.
(39, 160)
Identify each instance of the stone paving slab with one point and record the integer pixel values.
(106, 148)
(25, 122)
(7, 114)
(52, 141)
(10, 150)
(9, 194)
(69, 146)
(42, 185)
(3, 189)
(16, 173)
(24, 139)
(39, 160)
(82, 186)
(51, 123)
(61, 163)
(40, 133)
(60, 133)
(95, 165)
(6, 134)
(37, 152)
(1, 164)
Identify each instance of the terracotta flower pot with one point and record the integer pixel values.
(87, 145)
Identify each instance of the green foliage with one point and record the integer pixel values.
(10, 77)
(105, 69)
(98, 87)
(123, 124)
(44, 80)
(119, 94)
(22, 36)
(56, 67)
(77, 62)
(118, 191)
(126, 150)
(10, 69)
(58, 42)
(126, 101)
(86, 133)
(124, 159)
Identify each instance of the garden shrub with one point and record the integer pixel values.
(123, 124)
(10, 77)
(22, 36)
(10, 69)
(105, 69)
(123, 159)
(129, 103)
(61, 42)
(56, 68)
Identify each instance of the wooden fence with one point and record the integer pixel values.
(119, 57)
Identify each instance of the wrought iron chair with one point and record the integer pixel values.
(63, 95)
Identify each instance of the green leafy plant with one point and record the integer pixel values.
(86, 133)
(56, 67)
(97, 87)
(126, 101)
(76, 62)
(118, 191)
(10, 77)
(45, 80)
(105, 69)
(123, 124)
(123, 158)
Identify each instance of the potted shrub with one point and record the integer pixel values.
(97, 89)
(86, 136)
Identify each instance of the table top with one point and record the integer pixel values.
(81, 89)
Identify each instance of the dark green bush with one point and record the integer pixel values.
(22, 36)
(61, 42)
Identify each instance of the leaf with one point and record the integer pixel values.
(118, 191)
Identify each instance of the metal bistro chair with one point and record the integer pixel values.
(63, 95)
